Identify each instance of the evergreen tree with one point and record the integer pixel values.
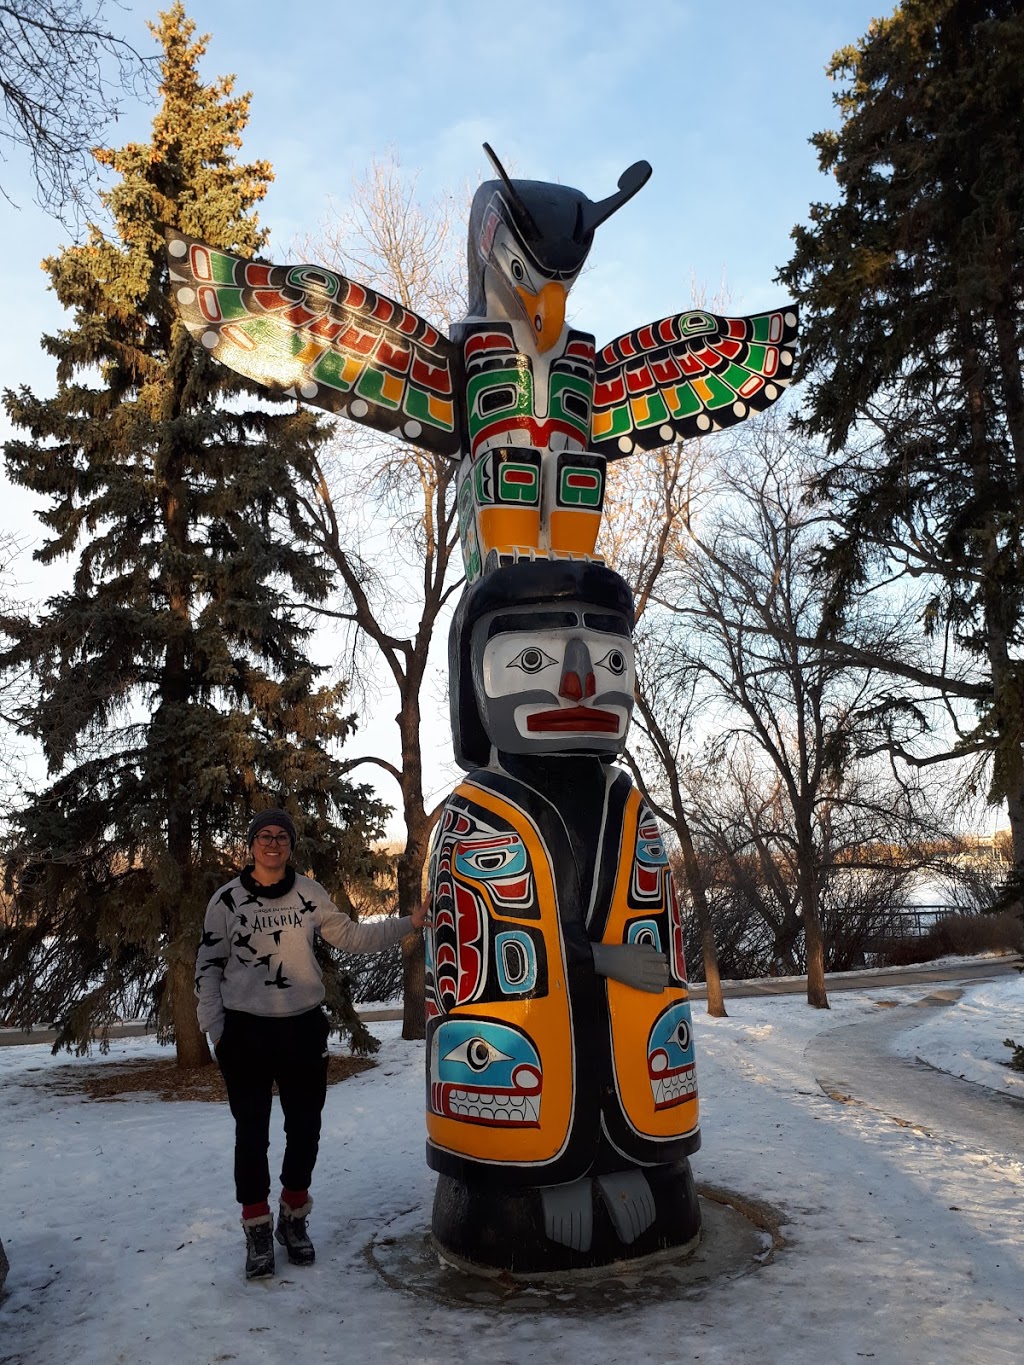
(912, 286)
(174, 694)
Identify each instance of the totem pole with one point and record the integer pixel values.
(561, 1089)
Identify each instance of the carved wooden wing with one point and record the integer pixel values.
(308, 333)
(687, 375)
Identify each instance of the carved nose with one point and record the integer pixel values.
(577, 672)
(571, 687)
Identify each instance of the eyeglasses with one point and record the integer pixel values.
(272, 840)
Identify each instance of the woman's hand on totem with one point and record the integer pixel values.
(421, 914)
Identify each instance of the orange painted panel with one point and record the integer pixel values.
(634, 1013)
(574, 531)
(503, 528)
(545, 1019)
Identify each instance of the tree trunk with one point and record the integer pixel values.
(410, 893)
(190, 1043)
(698, 896)
(817, 996)
(1007, 759)
(413, 986)
(1008, 774)
(716, 1000)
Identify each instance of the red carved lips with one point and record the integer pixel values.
(574, 719)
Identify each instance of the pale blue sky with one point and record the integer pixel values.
(720, 98)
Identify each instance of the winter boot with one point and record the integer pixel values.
(259, 1246)
(291, 1233)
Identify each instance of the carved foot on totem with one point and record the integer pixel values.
(616, 1216)
(569, 1209)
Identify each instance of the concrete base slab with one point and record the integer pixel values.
(738, 1236)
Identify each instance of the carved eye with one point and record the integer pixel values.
(491, 861)
(517, 268)
(515, 962)
(496, 400)
(477, 1054)
(614, 661)
(576, 405)
(531, 660)
(683, 1034)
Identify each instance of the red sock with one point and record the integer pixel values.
(294, 1198)
(256, 1210)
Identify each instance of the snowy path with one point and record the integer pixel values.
(901, 1247)
(856, 1063)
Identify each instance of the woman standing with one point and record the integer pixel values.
(260, 994)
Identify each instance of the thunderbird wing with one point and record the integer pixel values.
(305, 332)
(688, 375)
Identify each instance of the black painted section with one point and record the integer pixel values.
(504, 1229)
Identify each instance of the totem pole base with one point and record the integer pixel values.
(600, 1221)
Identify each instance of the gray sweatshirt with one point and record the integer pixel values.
(257, 955)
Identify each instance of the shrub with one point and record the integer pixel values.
(957, 936)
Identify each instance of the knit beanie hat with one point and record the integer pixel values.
(271, 817)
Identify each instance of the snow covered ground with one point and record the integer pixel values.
(901, 1245)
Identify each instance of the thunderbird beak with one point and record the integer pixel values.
(546, 313)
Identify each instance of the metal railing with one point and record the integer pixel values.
(918, 919)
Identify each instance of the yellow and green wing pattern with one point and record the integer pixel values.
(688, 375)
(309, 333)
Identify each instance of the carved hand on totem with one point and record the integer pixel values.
(634, 964)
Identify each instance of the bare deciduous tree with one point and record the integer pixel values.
(745, 826)
(799, 773)
(384, 512)
(649, 504)
(62, 73)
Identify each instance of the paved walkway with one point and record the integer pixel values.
(854, 1064)
(982, 969)
(985, 969)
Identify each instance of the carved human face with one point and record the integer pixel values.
(554, 678)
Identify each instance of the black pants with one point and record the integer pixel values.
(255, 1051)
